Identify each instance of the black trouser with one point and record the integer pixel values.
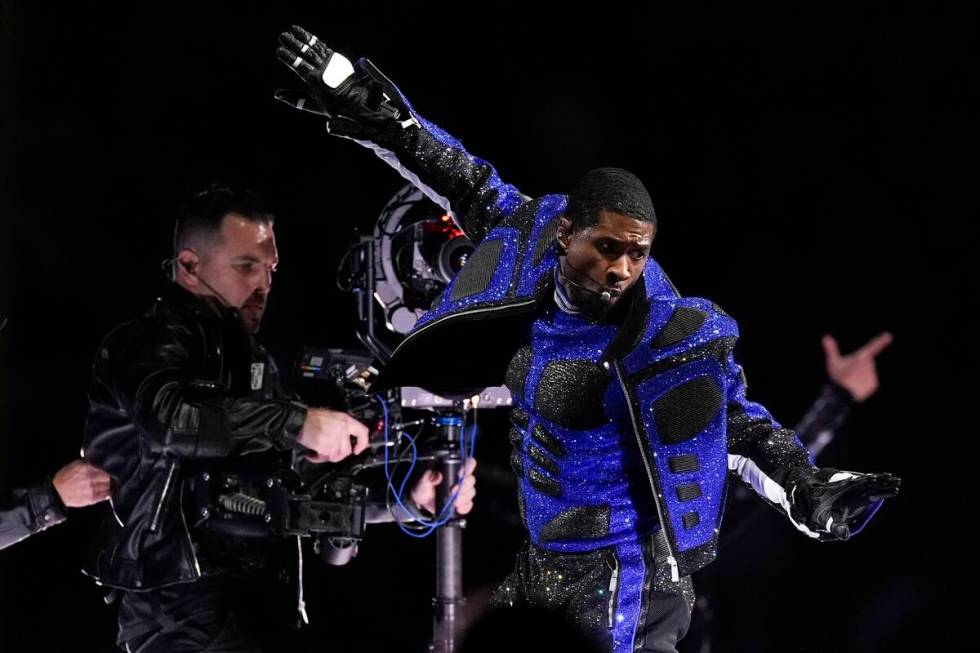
(621, 597)
(218, 615)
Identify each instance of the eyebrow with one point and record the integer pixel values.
(248, 258)
(642, 243)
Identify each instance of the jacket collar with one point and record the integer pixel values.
(183, 302)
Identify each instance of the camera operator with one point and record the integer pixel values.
(184, 387)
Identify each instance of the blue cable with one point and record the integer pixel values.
(399, 493)
(411, 466)
(446, 513)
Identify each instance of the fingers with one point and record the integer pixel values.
(81, 484)
(303, 50)
(294, 60)
(469, 486)
(424, 491)
(101, 489)
(884, 486)
(876, 345)
(862, 490)
(308, 41)
(319, 52)
(99, 483)
(467, 493)
(359, 435)
(342, 449)
(96, 474)
(334, 454)
(331, 436)
(299, 33)
(882, 495)
(830, 348)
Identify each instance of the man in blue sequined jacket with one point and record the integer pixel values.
(629, 407)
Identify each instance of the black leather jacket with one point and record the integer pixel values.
(177, 390)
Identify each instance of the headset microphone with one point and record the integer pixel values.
(605, 294)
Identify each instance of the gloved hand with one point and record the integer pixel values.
(836, 504)
(356, 98)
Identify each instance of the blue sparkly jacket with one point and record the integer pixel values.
(675, 395)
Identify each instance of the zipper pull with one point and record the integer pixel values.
(674, 574)
(613, 582)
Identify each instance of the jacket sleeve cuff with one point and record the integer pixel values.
(841, 395)
(46, 506)
(797, 475)
(293, 424)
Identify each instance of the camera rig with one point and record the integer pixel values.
(395, 275)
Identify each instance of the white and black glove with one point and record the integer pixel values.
(835, 505)
(357, 98)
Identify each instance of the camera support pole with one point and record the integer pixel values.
(447, 605)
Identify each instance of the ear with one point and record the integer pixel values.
(185, 272)
(563, 230)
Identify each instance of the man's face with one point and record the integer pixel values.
(611, 253)
(238, 266)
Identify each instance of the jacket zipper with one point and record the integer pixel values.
(187, 533)
(163, 497)
(645, 456)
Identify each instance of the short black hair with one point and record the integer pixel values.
(610, 189)
(199, 221)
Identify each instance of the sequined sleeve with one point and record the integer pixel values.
(765, 455)
(438, 165)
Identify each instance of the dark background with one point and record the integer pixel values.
(812, 169)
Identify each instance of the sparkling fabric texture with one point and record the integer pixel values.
(605, 592)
